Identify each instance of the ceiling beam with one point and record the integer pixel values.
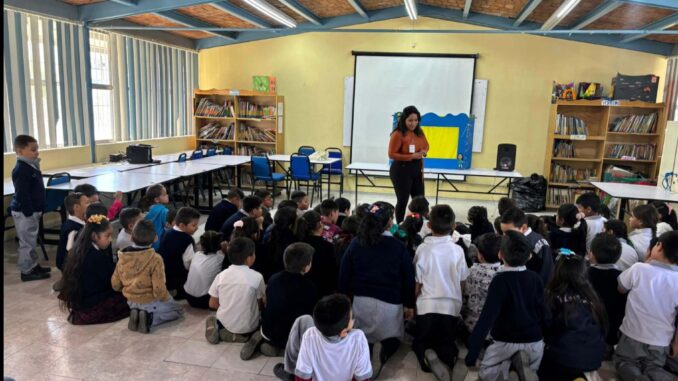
(668, 4)
(51, 8)
(109, 10)
(193, 22)
(665, 23)
(598, 12)
(527, 10)
(358, 7)
(151, 35)
(241, 14)
(467, 7)
(129, 3)
(302, 11)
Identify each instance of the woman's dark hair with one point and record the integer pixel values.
(152, 193)
(210, 242)
(71, 293)
(374, 223)
(665, 215)
(648, 216)
(618, 228)
(568, 214)
(249, 229)
(306, 224)
(570, 285)
(402, 127)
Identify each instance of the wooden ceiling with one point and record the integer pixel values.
(626, 16)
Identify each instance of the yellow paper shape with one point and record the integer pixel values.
(443, 142)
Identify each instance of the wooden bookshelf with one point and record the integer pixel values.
(590, 150)
(243, 120)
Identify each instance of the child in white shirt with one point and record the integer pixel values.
(589, 207)
(205, 266)
(644, 220)
(333, 350)
(128, 218)
(649, 321)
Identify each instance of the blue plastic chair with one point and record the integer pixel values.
(302, 171)
(261, 171)
(334, 169)
(211, 151)
(197, 154)
(306, 150)
(227, 151)
(182, 158)
(54, 199)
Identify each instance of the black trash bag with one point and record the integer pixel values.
(529, 193)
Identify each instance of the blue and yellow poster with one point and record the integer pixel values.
(450, 140)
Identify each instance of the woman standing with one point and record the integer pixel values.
(407, 147)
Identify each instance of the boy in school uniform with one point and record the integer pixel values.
(27, 205)
(513, 314)
(301, 198)
(649, 323)
(76, 206)
(344, 206)
(224, 209)
(128, 218)
(603, 273)
(251, 207)
(479, 278)
(177, 249)
(589, 208)
(329, 213)
(440, 272)
(237, 294)
(541, 260)
(333, 350)
(266, 206)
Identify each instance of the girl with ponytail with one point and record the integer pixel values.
(282, 235)
(87, 292)
(377, 272)
(570, 233)
(154, 202)
(323, 273)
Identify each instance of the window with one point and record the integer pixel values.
(102, 91)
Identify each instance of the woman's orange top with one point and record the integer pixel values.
(399, 145)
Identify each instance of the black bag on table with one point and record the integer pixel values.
(529, 193)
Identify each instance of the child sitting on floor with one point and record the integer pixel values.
(128, 218)
(479, 278)
(479, 224)
(329, 212)
(205, 266)
(155, 199)
(224, 209)
(541, 260)
(419, 206)
(617, 229)
(301, 198)
(569, 232)
(589, 206)
(643, 220)
(344, 206)
(177, 250)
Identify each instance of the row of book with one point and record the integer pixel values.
(635, 124)
(560, 196)
(247, 150)
(564, 173)
(631, 151)
(570, 125)
(256, 134)
(207, 107)
(253, 110)
(563, 149)
(215, 130)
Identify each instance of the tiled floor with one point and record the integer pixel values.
(39, 344)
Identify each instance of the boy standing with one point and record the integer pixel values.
(237, 294)
(479, 278)
(333, 350)
(513, 314)
(541, 260)
(589, 206)
(251, 207)
(177, 249)
(329, 212)
(128, 218)
(440, 272)
(649, 323)
(27, 205)
(224, 209)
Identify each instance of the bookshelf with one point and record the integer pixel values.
(587, 136)
(249, 122)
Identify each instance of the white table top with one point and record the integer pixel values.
(286, 158)
(463, 172)
(126, 182)
(92, 170)
(224, 160)
(185, 169)
(636, 191)
(170, 157)
(8, 186)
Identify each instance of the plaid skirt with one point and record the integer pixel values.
(109, 310)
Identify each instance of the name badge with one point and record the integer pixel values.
(411, 148)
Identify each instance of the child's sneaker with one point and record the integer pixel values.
(212, 330)
(145, 320)
(439, 369)
(279, 371)
(230, 337)
(133, 324)
(269, 350)
(251, 346)
(521, 363)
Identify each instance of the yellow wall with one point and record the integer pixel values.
(310, 70)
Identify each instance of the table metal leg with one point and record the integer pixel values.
(210, 187)
(356, 189)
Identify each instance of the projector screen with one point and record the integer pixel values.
(387, 83)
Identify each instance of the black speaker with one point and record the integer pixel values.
(506, 157)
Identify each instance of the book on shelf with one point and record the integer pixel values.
(631, 151)
(635, 124)
(256, 111)
(559, 196)
(215, 130)
(563, 149)
(249, 150)
(256, 134)
(207, 107)
(570, 125)
(567, 174)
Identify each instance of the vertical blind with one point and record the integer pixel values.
(671, 89)
(45, 87)
(152, 88)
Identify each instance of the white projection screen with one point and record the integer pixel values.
(385, 83)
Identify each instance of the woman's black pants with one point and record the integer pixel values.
(407, 179)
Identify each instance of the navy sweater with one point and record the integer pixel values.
(604, 281)
(324, 271)
(67, 227)
(219, 214)
(29, 190)
(513, 312)
(227, 226)
(288, 296)
(383, 271)
(172, 247)
(95, 278)
(542, 259)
